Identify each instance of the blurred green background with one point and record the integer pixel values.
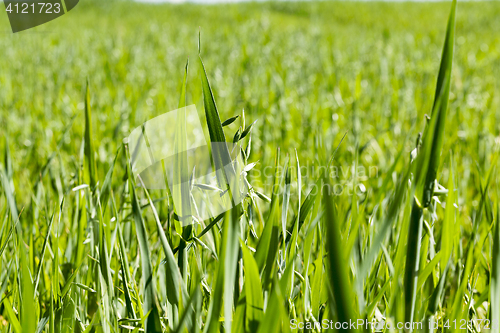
(304, 69)
(307, 71)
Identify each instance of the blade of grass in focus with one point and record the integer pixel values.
(427, 165)
(181, 188)
(152, 322)
(495, 272)
(440, 108)
(28, 317)
(340, 284)
(253, 289)
(89, 142)
(106, 186)
(220, 152)
(221, 298)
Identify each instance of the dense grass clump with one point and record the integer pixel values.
(369, 140)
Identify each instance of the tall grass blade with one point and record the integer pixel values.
(150, 307)
(433, 136)
(28, 316)
(223, 285)
(220, 151)
(89, 143)
(340, 284)
(413, 260)
(176, 288)
(495, 272)
(42, 254)
(253, 290)
(106, 186)
(427, 164)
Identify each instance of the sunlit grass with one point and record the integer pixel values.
(301, 87)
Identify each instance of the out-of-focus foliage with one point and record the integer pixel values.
(113, 257)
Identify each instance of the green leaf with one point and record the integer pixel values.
(220, 151)
(286, 200)
(253, 289)
(438, 292)
(189, 315)
(89, 142)
(70, 280)
(427, 165)
(152, 323)
(9, 194)
(181, 189)
(42, 254)
(229, 121)
(413, 260)
(222, 291)
(175, 284)
(392, 212)
(448, 231)
(340, 284)
(424, 275)
(84, 287)
(14, 322)
(267, 247)
(106, 186)
(430, 154)
(310, 199)
(246, 131)
(28, 316)
(371, 307)
(275, 318)
(495, 272)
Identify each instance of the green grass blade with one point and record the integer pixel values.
(458, 309)
(253, 291)
(427, 271)
(106, 186)
(495, 273)
(340, 284)
(371, 307)
(124, 266)
(268, 244)
(152, 323)
(89, 142)
(274, 320)
(220, 151)
(70, 280)
(181, 174)
(448, 231)
(286, 200)
(14, 322)
(9, 194)
(189, 314)
(42, 254)
(413, 260)
(438, 292)
(28, 316)
(393, 210)
(224, 278)
(434, 134)
(427, 164)
(229, 121)
(311, 197)
(175, 286)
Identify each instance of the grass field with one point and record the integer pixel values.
(374, 196)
